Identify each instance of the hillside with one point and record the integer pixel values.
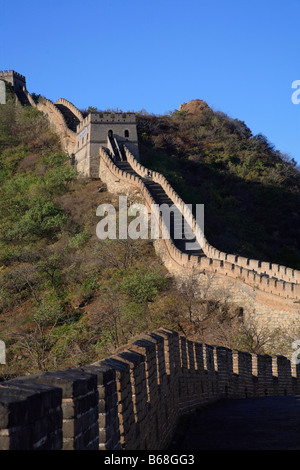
(68, 298)
(250, 190)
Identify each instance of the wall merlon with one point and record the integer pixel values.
(228, 266)
(231, 258)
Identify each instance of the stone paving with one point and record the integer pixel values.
(270, 423)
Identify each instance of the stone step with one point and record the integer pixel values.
(177, 225)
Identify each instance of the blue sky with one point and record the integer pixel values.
(241, 57)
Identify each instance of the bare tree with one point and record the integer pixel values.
(107, 317)
(37, 342)
(23, 277)
(119, 253)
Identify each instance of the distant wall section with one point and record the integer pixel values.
(56, 118)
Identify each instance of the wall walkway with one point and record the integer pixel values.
(268, 423)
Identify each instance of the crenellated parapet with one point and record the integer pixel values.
(268, 294)
(62, 114)
(11, 73)
(57, 120)
(133, 399)
(71, 107)
(14, 78)
(270, 278)
(272, 270)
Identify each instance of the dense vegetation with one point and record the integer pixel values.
(68, 298)
(250, 190)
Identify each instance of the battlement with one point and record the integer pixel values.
(133, 399)
(106, 118)
(12, 73)
(269, 295)
(110, 117)
(17, 80)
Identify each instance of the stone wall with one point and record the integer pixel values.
(266, 310)
(261, 267)
(117, 180)
(17, 80)
(133, 399)
(30, 416)
(50, 411)
(70, 106)
(56, 118)
(270, 301)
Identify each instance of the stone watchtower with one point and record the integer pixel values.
(17, 80)
(81, 135)
(107, 129)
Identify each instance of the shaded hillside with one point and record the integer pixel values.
(250, 190)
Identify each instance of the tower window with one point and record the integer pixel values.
(126, 133)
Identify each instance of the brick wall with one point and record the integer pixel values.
(260, 267)
(14, 78)
(270, 302)
(57, 119)
(30, 416)
(133, 399)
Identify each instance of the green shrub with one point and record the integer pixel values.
(79, 240)
(144, 287)
(41, 218)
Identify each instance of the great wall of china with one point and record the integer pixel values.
(269, 294)
(133, 399)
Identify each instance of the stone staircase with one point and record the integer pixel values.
(22, 97)
(117, 156)
(71, 120)
(180, 231)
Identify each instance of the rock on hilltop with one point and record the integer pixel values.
(193, 106)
